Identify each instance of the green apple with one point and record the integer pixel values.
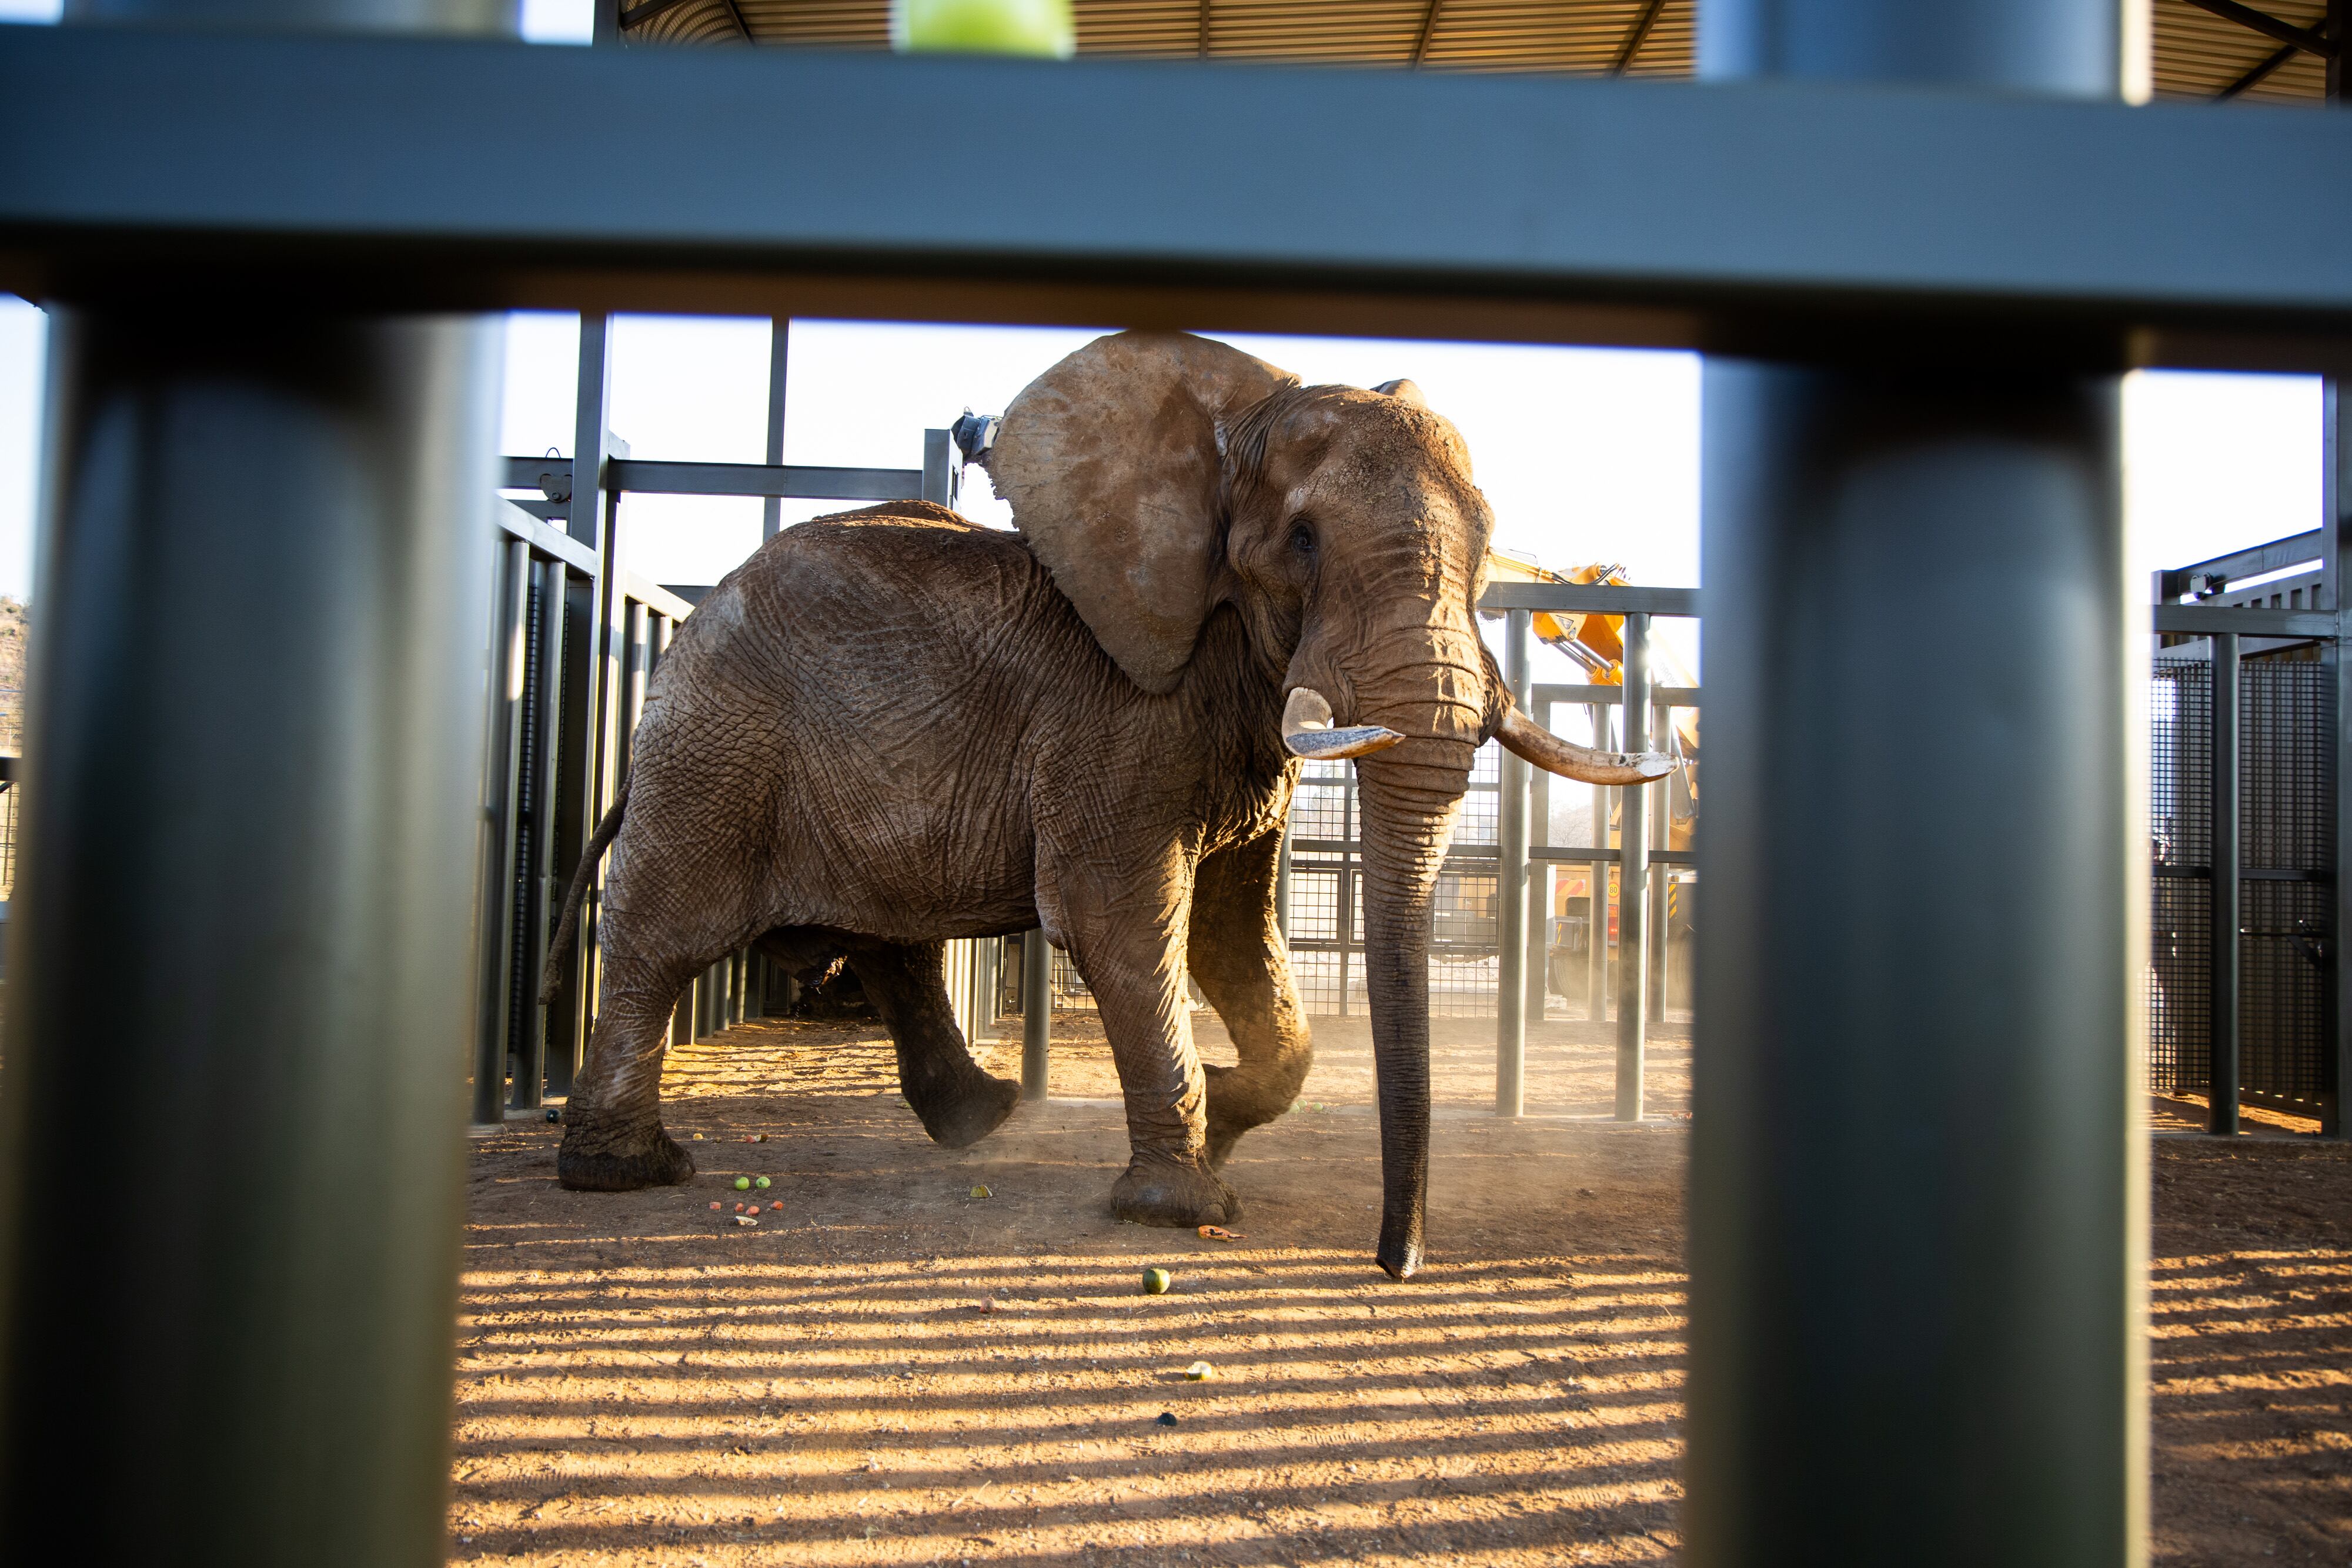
(761, 1184)
(1155, 1282)
(985, 26)
(742, 1184)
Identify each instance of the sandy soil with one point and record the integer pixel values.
(889, 1368)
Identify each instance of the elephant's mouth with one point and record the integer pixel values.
(1309, 731)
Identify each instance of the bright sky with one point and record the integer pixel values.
(1586, 454)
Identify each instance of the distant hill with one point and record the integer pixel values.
(13, 631)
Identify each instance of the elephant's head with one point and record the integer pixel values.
(1159, 476)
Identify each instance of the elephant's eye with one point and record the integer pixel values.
(1302, 539)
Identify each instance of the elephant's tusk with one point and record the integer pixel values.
(1307, 730)
(1524, 738)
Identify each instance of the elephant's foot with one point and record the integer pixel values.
(1237, 1104)
(970, 1112)
(1167, 1192)
(623, 1158)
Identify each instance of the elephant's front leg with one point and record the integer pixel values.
(1239, 961)
(1124, 928)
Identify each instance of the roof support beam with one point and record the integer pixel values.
(735, 15)
(2269, 27)
(1636, 34)
(2257, 72)
(1428, 31)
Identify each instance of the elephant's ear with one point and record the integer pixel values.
(1110, 462)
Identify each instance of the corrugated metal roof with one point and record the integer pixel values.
(2198, 54)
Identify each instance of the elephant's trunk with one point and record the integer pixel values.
(1410, 796)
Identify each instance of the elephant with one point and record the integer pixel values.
(893, 728)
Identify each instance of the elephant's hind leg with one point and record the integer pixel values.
(1238, 960)
(612, 1136)
(957, 1103)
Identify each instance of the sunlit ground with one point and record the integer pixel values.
(889, 1369)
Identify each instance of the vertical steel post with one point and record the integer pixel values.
(1281, 880)
(1345, 896)
(502, 829)
(1596, 938)
(780, 331)
(2228, 893)
(531, 1052)
(1539, 895)
(593, 522)
(1634, 883)
(277, 813)
(939, 466)
(1917, 1176)
(1511, 889)
(1661, 811)
(1036, 1013)
(2336, 516)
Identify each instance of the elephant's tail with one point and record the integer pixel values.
(568, 920)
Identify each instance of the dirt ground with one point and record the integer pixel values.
(891, 1368)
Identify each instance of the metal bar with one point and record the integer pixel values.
(780, 332)
(1596, 992)
(1633, 883)
(1712, 216)
(1346, 900)
(1635, 36)
(501, 827)
(531, 1052)
(1920, 1121)
(573, 780)
(544, 539)
(1282, 881)
(2203, 620)
(1510, 893)
(1662, 823)
(1670, 696)
(655, 596)
(938, 467)
(2336, 522)
(1036, 1014)
(1591, 598)
(2269, 27)
(791, 481)
(2257, 560)
(1539, 899)
(283, 804)
(735, 15)
(2227, 894)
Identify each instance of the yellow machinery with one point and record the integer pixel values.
(1596, 642)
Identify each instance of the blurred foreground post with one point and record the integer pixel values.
(230, 1199)
(1917, 1216)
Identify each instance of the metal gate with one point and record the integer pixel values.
(2285, 856)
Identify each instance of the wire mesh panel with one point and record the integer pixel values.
(2180, 822)
(2286, 851)
(2289, 838)
(1326, 912)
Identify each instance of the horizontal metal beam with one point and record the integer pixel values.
(1806, 219)
(2256, 560)
(1591, 599)
(1660, 696)
(654, 597)
(792, 481)
(2205, 620)
(547, 540)
(2170, 873)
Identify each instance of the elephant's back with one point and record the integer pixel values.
(890, 678)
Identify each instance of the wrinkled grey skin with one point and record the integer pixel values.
(891, 728)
